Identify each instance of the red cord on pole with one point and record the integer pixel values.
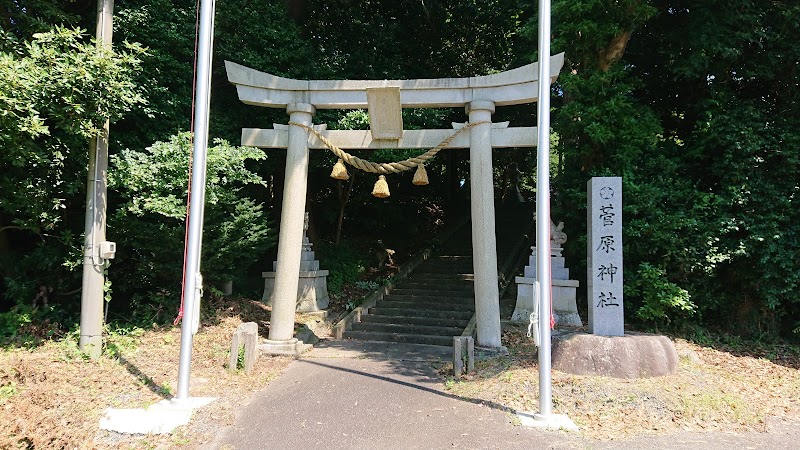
(191, 136)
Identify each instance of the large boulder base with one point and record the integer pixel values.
(634, 355)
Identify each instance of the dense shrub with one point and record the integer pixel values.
(57, 88)
(150, 222)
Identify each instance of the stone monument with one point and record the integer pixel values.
(604, 253)
(607, 350)
(565, 309)
(312, 286)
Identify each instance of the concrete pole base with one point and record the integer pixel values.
(546, 421)
(186, 403)
(291, 347)
(161, 418)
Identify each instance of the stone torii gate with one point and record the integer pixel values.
(385, 100)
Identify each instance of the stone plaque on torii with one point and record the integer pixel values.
(385, 99)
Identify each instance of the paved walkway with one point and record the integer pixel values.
(366, 395)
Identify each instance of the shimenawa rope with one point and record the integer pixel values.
(385, 168)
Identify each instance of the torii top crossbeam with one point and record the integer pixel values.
(512, 87)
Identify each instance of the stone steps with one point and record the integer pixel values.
(435, 302)
(433, 287)
(410, 320)
(439, 277)
(446, 270)
(434, 293)
(405, 328)
(456, 264)
(400, 337)
(413, 312)
(449, 266)
(428, 306)
(466, 299)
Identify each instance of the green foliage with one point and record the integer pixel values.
(751, 160)
(150, 220)
(356, 119)
(23, 18)
(121, 339)
(587, 27)
(256, 34)
(240, 359)
(729, 101)
(367, 285)
(391, 39)
(695, 107)
(55, 93)
(346, 262)
(661, 300)
(7, 391)
(14, 321)
(166, 29)
(708, 154)
(23, 325)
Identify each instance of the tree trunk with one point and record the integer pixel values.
(613, 51)
(344, 197)
(297, 10)
(4, 243)
(452, 180)
(279, 178)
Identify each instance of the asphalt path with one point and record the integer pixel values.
(356, 395)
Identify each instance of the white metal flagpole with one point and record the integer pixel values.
(543, 211)
(545, 418)
(193, 284)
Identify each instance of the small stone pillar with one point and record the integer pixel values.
(246, 335)
(290, 238)
(312, 286)
(565, 307)
(484, 244)
(463, 355)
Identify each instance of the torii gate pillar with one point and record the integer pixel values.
(484, 243)
(290, 240)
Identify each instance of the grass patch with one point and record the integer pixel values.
(713, 388)
(51, 396)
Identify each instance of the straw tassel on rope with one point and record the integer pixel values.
(339, 171)
(381, 189)
(420, 176)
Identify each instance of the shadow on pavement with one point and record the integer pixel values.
(404, 370)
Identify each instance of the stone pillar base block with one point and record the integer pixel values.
(546, 421)
(563, 318)
(321, 314)
(567, 318)
(635, 355)
(292, 347)
(565, 308)
(482, 352)
(312, 290)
